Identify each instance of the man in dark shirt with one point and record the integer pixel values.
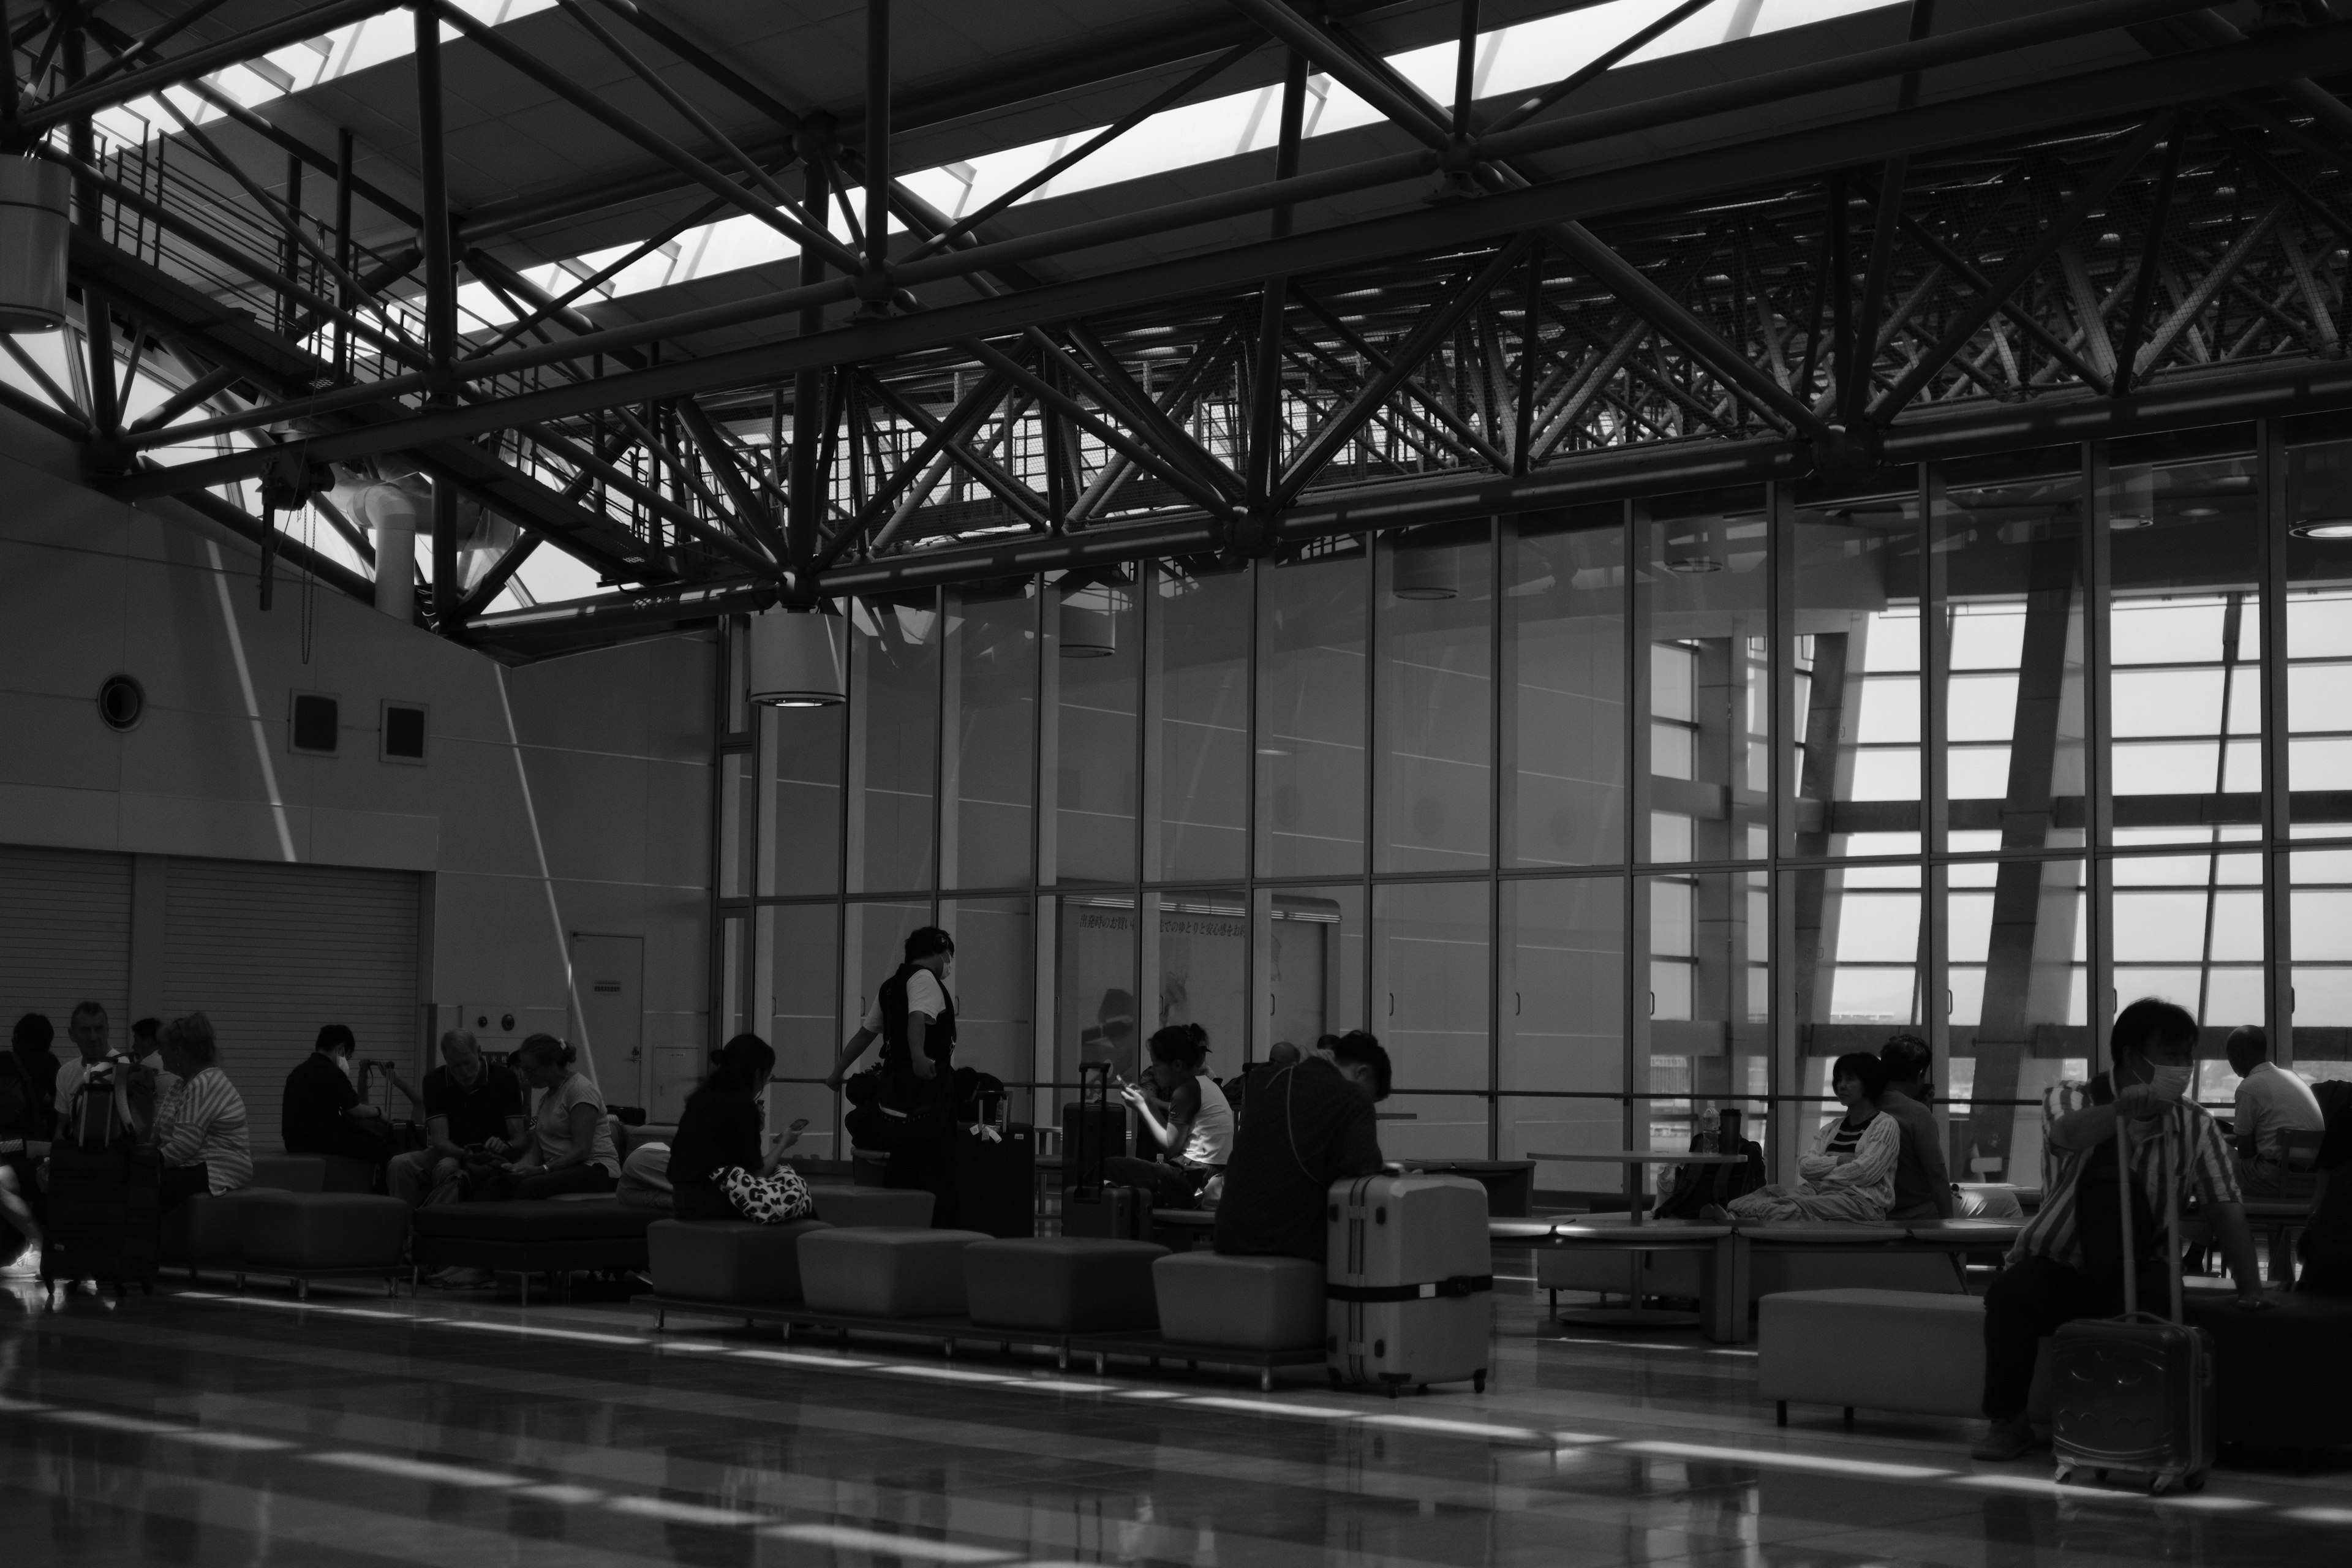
(1309, 1126)
(1923, 1188)
(468, 1103)
(321, 1112)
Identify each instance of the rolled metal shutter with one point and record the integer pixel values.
(269, 953)
(65, 936)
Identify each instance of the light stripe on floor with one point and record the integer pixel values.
(417, 1469)
(881, 1543)
(1774, 1458)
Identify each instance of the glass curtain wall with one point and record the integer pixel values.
(1608, 818)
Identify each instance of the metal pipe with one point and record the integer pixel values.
(873, 285)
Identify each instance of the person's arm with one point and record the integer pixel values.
(851, 1049)
(1355, 1152)
(181, 1125)
(2236, 1240)
(416, 1100)
(918, 1033)
(2242, 1125)
(1873, 1156)
(518, 1131)
(436, 1137)
(1940, 1175)
(2079, 1130)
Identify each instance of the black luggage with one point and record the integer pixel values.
(1092, 1129)
(105, 1213)
(996, 1178)
(2136, 1393)
(1116, 1214)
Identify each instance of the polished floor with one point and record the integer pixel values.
(464, 1432)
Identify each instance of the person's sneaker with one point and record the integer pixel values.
(456, 1279)
(27, 1267)
(2005, 1440)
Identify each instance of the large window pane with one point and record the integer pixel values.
(2008, 536)
(2321, 906)
(1564, 710)
(1310, 714)
(1197, 953)
(1197, 772)
(2319, 638)
(2185, 671)
(985, 777)
(1432, 999)
(738, 839)
(798, 961)
(800, 831)
(2015, 944)
(1309, 964)
(2188, 929)
(1703, 592)
(1710, 1005)
(894, 707)
(1563, 1022)
(1093, 665)
(1096, 1017)
(1854, 648)
(995, 986)
(1435, 706)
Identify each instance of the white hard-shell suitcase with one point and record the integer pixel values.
(1410, 1280)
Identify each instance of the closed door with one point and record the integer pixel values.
(609, 974)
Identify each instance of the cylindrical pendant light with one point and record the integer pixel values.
(1426, 564)
(1089, 623)
(799, 658)
(33, 222)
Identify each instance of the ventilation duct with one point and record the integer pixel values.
(33, 222)
(396, 510)
(799, 658)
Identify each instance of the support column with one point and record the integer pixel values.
(874, 287)
(2278, 872)
(440, 305)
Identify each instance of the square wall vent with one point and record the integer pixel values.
(403, 733)
(317, 724)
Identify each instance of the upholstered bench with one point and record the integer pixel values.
(206, 1231)
(291, 1172)
(885, 1271)
(304, 1236)
(903, 1207)
(2283, 1375)
(518, 1236)
(1063, 1284)
(1830, 1255)
(727, 1260)
(1912, 1350)
(1239, 1303)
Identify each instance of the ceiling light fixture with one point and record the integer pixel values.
(2322, 528)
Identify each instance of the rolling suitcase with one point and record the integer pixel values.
(1092, 1130)
(1409, 1282)
(2136, 1393)
(104, 1215)
(996, 1178)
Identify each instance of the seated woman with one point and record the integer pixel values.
(1197, 1137)
(717, 1168)
(1850, 1173)
(200, 1124)
(569, 1148)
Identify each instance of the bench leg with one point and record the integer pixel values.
(302, 1287)
(1780, 1409)
(1849, 1409)
(526, 1282)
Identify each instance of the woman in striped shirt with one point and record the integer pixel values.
(1850, 1172)
(200, 1126)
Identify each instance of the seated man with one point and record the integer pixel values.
(2068, 1262)
(2271, 1102)
(1923, 1188)
(1310, 1124)
(321, 1112)
(90, 1031)
(469, 1104)
(2328, 1239)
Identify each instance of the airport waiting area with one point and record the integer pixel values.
(1209, 784)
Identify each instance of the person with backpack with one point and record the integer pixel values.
(906, 1104)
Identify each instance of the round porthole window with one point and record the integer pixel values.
(120, 701)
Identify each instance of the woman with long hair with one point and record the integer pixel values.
(1849, 1173)
(718, 1166)
(569, 1148)
(201, 1125)
(1184, 1112)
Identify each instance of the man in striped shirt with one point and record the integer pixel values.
(2068, 1261)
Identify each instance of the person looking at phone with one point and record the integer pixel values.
(1184, 1113)
(2068, 1262)
(718, 1166)
(470, 1105)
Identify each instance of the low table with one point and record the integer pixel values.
(1633, 1315)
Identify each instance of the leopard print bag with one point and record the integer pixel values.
(779, 1199)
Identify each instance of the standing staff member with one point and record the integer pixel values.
(914, 1017)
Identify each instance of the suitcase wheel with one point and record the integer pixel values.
(1479, 1379)
(2159, 1485)
(2065, 1473)
(2193, 1483)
